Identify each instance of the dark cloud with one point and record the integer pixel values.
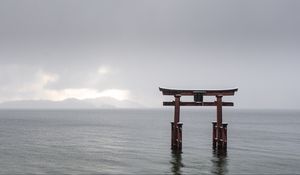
(146, 44)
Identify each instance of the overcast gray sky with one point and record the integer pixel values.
(57, 49)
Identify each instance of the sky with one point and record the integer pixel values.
(126, 49)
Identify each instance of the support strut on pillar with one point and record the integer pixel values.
(214, 134)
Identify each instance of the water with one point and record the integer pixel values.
(138, 142)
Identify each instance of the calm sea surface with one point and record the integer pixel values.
(138, 142)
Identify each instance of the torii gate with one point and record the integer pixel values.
(219, 134)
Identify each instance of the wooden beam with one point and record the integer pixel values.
(172, 103)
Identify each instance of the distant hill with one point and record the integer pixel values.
(72, 103)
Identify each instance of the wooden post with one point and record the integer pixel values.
(224, 135)
(214, 134)
(219, 111)
(219, 121)
(172, 134)
(176, 127)
(179, 131)
(177, 109)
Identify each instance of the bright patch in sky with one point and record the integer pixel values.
(86, 93)
(102, 70)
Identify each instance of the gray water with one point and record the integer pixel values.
(138, 142)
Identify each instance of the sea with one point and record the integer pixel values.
(137, 141)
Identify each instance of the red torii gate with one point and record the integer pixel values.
(219, 134)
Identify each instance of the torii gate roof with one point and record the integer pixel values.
(206, 92)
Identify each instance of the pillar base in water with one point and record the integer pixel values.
(176, 136)
(219, 136)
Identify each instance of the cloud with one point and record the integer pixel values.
(25, 82)
(41, 79)
(80, 50)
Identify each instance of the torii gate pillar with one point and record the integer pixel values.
(219, 137)
(176, 126)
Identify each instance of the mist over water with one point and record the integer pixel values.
(138, 142)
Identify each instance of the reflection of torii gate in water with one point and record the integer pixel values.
(219, 136)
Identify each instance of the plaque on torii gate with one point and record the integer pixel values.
(219, 133)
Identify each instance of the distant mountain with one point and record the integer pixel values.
(107, 102)
(72, 103)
